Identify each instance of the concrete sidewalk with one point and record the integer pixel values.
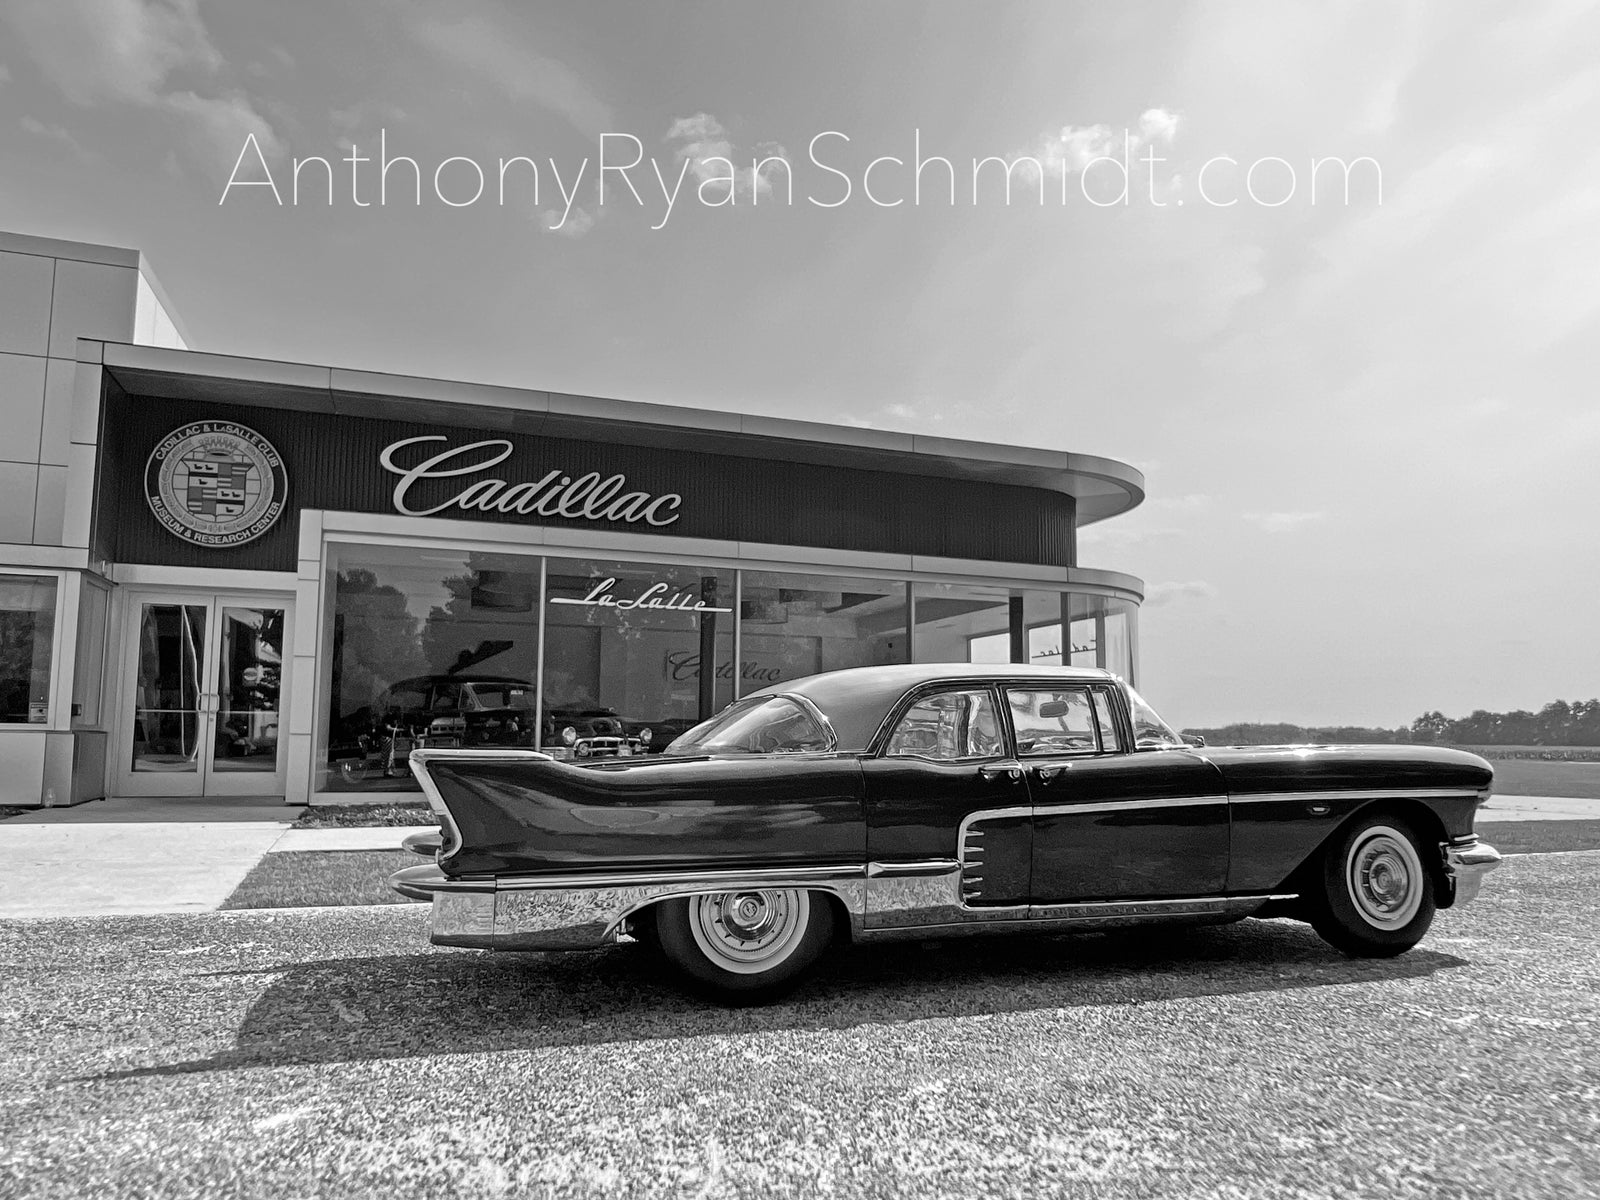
(1538, 808)
(152, 855)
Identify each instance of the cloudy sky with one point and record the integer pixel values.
(1369, 429)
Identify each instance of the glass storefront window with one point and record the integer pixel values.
(428, 647)
(1103, 633)
(27, 635)
(797, 625)
(963, 623)
(441, 647)
(635, 654)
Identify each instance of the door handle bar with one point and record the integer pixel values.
(1011, 770)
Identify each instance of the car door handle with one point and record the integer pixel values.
(1010, 770)
(1048, 775)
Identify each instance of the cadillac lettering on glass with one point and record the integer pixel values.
(587, 497)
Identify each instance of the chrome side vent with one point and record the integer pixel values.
(972, 864)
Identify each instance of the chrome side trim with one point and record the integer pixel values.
(1076, 917)
(1358, 794)
(988, 814)
(1053, 810)
(971, 854)
(571, 912)
(704, 881)
(923, 895)
(580, 912)
(1467, 863)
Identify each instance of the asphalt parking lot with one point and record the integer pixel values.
(333, 1052)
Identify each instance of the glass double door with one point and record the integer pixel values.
(203, 706)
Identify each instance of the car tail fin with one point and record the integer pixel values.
(422, 762)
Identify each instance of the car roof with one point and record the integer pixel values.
(856, 699)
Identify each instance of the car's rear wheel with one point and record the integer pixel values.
(1376, 893)
(744, 947)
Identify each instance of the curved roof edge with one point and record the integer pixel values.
(1102, 487)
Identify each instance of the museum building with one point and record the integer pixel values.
(226, 576)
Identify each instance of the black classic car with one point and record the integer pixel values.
(929, 800)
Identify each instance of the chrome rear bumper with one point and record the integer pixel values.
(1467, 862)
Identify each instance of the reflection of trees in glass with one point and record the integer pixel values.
(19, 633)
(378, 639)
(447, 648)
(27, 623)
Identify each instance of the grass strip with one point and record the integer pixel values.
(312, 878)
(358, 816)
(1540, 837)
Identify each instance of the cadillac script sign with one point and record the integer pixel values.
(587, 496)
(215, 483)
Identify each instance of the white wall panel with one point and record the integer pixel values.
(25, 284)
(22, 380)
(91, 301)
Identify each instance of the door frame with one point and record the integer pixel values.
(205, 782)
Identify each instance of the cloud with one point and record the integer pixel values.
(125, 52)
(576, 223)
(705, 145)
(1190, 502)
(364, 114)
(1282, 522)
(1122, 538)
(491, 51)
(1070, 149)
(1158, 125)
(1161, 594)
(56, 133)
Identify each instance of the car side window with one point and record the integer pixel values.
(948, 727)
(1110, 740)
(1053, 721)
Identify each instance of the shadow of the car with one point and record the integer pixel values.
(453, 1002)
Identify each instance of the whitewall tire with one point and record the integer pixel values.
(744, 946)
(1377, 893)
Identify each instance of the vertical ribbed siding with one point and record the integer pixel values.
(332, 462)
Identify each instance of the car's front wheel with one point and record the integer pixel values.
(744, 947)
(1376, 893)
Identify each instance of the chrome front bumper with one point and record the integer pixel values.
(1467, 862)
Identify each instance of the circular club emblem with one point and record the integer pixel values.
(215, 483)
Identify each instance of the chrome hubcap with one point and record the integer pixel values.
(749, 932)
(1385, 878)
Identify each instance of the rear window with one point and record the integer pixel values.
(759, 725)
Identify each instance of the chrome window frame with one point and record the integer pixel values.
(922, 692)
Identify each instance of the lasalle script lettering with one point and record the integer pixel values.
(586, 497)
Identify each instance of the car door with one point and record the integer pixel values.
(945, 762)
(1111, 823)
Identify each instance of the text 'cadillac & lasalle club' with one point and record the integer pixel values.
(929, 800)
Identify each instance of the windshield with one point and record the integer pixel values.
(759, 725)
(1150, 732)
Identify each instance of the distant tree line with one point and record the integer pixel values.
(1559, 723)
